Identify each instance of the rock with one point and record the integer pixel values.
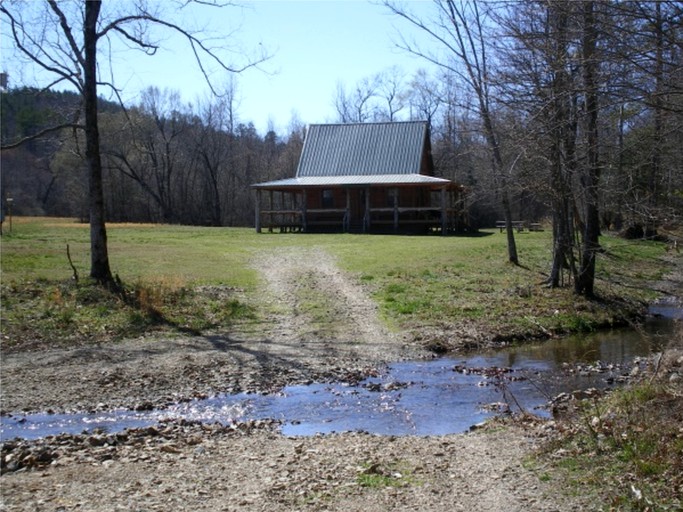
(97, 440)
(144, 406)
(169, 448)
(194, 440)
(151, 431)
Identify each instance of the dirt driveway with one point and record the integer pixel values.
(289, 346)
(251, 467)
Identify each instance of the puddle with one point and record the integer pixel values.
(668, 307)
(440, 396)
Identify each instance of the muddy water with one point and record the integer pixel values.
(441, 396)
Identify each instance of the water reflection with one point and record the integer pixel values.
(441, 396)
(616, 346)
(668, 307)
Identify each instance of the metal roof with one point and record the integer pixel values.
(367, 154)
(355, 180)
(366, 149)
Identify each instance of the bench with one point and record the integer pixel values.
(516, 224)
(519, 225)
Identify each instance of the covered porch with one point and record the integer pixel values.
(435, 205)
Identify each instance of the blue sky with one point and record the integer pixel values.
(314, 44)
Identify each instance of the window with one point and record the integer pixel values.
(328, 198)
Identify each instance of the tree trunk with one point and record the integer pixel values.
(512, 245)
(585, 281)
(499, 173)
(99, 258)
(563, 156)
(656, 164)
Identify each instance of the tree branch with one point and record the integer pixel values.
(149, 48)
(42, 133)
(77, 52)
(18, 30)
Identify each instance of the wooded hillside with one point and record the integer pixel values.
(585, 107)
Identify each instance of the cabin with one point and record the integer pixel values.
(363, 178)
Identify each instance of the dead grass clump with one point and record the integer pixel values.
(151, 296)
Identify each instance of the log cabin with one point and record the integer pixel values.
(363, 178)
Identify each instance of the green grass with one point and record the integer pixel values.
(422, 281)
(463, 282)
(37, 249)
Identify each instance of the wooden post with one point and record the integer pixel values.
(396, 211)
(258, 210)
(366, 224)
(270, 215)
(304, 226)
(347, 216)
(444, 212)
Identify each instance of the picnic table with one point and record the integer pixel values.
(516, 224)
(519, 225)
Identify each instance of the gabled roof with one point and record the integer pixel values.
(367, 149)
(379, 154)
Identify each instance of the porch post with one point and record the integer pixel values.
(366, 224)
(347, 215)
(270, 215)
(444, 213)
(304, 222)
(396, 211)
(258, 210)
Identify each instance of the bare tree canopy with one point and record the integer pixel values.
(458, 29)
(69, 39)
(579, 105)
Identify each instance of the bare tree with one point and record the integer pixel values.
(541, 83)
(342, 104)
(390, 93)
(424, 97)
(590, 179)
(213, 146)
(552, 77)
(150, 147)
(356, 106)
(62, 39)
(459, 29)
(644, 41)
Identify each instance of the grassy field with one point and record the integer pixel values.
(181, 277)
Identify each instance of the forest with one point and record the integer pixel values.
(544, 106)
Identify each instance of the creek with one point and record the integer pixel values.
(440, 396)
